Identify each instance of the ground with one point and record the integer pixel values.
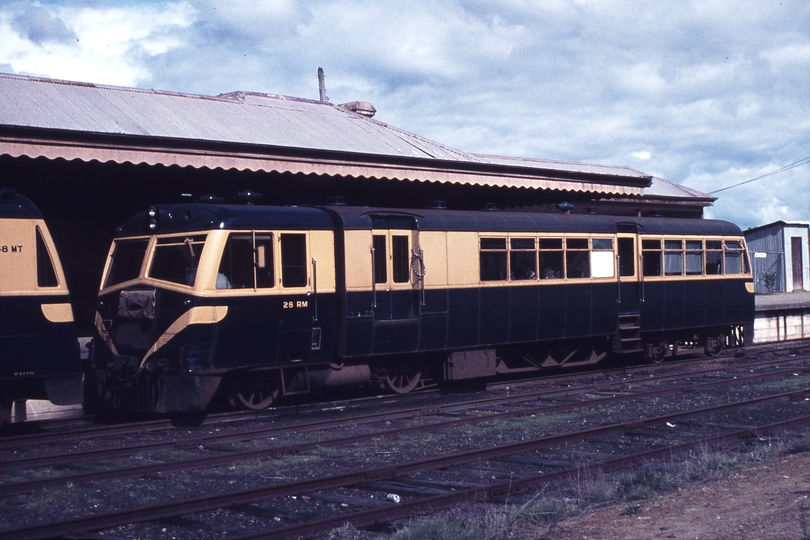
(762, 500)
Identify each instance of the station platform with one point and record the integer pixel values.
(782, 316)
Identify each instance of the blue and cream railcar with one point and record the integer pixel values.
(194, 292)
(39, 350)
(501, 288)
(257, 302)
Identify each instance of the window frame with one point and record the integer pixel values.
(397, 262)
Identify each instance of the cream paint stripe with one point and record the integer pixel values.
(196, 315)
(105, 334)
(57, 313)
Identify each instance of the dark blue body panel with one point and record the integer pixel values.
(33, 346)
(485, 317)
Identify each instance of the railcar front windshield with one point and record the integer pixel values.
(173, 259)
(127, 260)
(176, 258)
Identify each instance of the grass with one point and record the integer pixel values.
(439, 529)
(531, 520)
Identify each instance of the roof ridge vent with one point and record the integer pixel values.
(363, 108)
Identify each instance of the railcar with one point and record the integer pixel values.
(257, 302)
(39, 350)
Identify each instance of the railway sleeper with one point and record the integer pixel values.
(349, 500)
(413, 486)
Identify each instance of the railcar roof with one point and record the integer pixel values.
(195, 217)
(507, 221)
(14, 205)
(198, 216)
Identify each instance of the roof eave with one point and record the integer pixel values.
(119, 148)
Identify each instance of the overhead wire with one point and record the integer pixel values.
(803, 161)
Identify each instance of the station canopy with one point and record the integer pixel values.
(250, 131)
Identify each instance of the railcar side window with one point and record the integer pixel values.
(734, 256)
(551, 258)
(651, 252)
(401, 260)
(602, 258)
(380, 259)
(746, 262)
(522, 259)
(46, 274)
(714, 257)
(493, 259)
(176, 259)
(673, 257)
(127, 258)
(294, 260)
(244, 261)
(694, 257)
(577, 258)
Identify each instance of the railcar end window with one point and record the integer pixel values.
(127, 258)
(577, 258)
(734, 257)
(176, 259)
(551, 258)
(673, 257)
(694, 257)
(46, 274)
(522, 259)
(651, 252)
(602, 258)
(493, 259)
(714, 257)
(294, 260)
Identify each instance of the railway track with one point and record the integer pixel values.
(357, 478)
(54, 431)
(196, 440)
(480, 411)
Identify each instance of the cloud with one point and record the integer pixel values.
(711, 92)
(101, 44)
(40, 26)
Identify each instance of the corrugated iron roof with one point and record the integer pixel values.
(661, 187)
(261, 132)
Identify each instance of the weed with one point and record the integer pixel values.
(645, 483)
(547, 510)
(705, 464)
(437, 529)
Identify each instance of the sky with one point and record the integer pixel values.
(708, 94)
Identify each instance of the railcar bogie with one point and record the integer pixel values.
(256, 303)
(39, 349)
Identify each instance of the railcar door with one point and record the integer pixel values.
(396, 289)
(629, 293)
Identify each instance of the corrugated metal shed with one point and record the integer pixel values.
(259, 132)
(770, 247)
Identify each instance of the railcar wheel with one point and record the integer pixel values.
(656, 353)
(713, 345)
(255, 393)
(402, 376)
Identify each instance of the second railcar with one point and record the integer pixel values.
(39, 350)
(257, 301)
